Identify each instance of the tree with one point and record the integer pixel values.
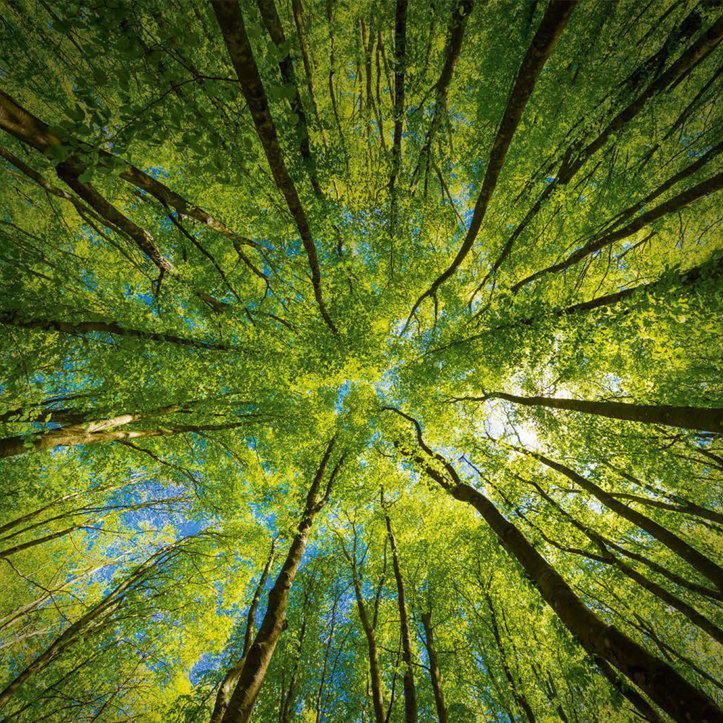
(260, 261)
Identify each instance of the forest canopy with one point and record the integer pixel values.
(361, 361)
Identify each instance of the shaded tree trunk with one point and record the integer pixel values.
(259, 655)
(683, 279)
(26, 127)
(223, 695)
(273, 25)
(570, 166)
(233, 29)
(704, 418)
(461, 10)
(434, 674)
(515, 688)
(410, 693)
(89, 621)
(548, 33)
(676, 203)
(104, 430)
(83, 328)
(400, 59)
(680, 547)
(673, 693)
(620, 684)
(288, 698)
(369, 633)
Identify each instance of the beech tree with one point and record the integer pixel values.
(361, 361)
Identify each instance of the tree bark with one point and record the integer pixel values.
(104, 430)
(400, 59)
(31, 130)
(683, 199)
(461, 10)
(87, 622)
(233, 29)
(26, 127)
(78, 328)
(606, 557)
(223, 695)
(704, 418)
(410, 693)
(681, 280)
(681, 700)
(553, 23)
(515, 689)
(369, 632)
(434, 674)
(259, 655)
(273, 25)
(569, 166)
(680, 547)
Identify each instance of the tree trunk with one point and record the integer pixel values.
(515, 689)
(369, 633)
(26, 127)
(553, 23)
(569, 167)
(272, 22)
(713, 270)
(84, 328)
(286, 712)
(697, 560)
(88, 622)
(620, 684)
(104, 430)
(410, 693)
(400, 59)
(233, 29)
(434, 673)
(223, 696)
(259, 655)
(704, 418)
(676, 203)
(663, 684)
(673, 693)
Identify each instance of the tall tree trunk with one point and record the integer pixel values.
(26, 127)
(461, 10)
(85, 328)
(676, 203)
(273, 25)
(223, 695)
(515, 688)
(400, 59)
(259, 655)
(325, 667)
(306, 59)
(673, 693)
(606, 557)
(23, 125)
(570, 166)
(286, 712)
(89, 621)
(620, 684)
(233, 29)
(410, 693)
(681, 280)
(434, 673)
(104, 430)
(369, 632)
(680, 547)
(704, 418)
(548, 33)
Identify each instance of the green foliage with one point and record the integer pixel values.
(196, 402)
